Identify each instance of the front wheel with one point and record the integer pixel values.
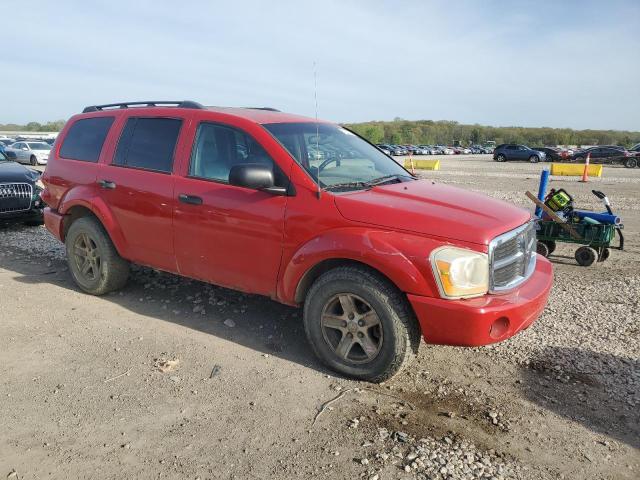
(359, 324)
(94, 263)
(33, 160)
(585, 256)
(534, 159)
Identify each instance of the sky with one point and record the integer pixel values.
(557, 63)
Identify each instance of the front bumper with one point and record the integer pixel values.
(487, 319)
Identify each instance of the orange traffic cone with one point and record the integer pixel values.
(585, 173)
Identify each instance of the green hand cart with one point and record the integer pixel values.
(595, 240)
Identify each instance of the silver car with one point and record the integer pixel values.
(34, 153)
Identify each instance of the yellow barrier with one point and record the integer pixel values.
(575, 169)
(423, 164)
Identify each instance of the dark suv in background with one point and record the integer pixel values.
(20, 189)
(512, 151)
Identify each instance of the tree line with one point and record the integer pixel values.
(442, 132)
(55, 126)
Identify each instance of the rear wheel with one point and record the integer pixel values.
(359, 324)
(585, 256)
(604, 254)
(546, 247)
(94, 263)
(631, 162)
(501, 158)
(579, 159)
(542, 249)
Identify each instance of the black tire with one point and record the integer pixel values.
(631, 162)
(398, 336)
(542, 249)
(501, 158)
(579, 160)
(604, 254)
(33, 160)
(551, 246)
(534, 158)
(586, 256)
(110, 271)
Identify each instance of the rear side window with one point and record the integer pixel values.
(148, 143)
(85, 139)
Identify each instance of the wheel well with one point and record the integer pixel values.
(317, 270)
(74, 214)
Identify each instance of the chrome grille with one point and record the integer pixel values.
(512, 257)
(15, 197)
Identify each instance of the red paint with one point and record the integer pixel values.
(265, 244)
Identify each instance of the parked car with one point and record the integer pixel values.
(511, 151)
(609, 154)
(34, 153)
(385, 148)
(553, 154)
(378, 258)
(20, 189)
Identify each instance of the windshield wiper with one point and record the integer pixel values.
(346, 185)
(385, 179)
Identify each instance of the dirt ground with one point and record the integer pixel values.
(173, 378)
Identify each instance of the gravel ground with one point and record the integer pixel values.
(176, 378)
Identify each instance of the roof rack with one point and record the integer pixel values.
(270, 109)
(177, 104)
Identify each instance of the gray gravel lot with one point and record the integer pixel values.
(90, 385)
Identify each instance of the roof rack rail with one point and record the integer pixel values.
(270, 109)
(155, 103)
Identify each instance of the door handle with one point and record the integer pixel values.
(107, 184)
(190, 199)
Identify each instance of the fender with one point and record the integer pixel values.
(83, 196)
(401, 257)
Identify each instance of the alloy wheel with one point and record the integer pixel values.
(352, 328)
(87, 257)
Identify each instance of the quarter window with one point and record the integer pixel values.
(85, 139)
(217, 148)
(148, 143)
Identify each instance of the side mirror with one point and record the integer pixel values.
(25, 148)
(256, 176)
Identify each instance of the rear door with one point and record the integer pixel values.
(137, 187)
(228, 235)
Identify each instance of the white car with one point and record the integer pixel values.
(34, 153)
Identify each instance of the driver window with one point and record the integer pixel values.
(217, 148)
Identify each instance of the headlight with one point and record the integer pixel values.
(460, 273)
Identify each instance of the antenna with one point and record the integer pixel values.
(315, 97)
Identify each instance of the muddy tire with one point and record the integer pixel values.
(359, 324)
(93, 261)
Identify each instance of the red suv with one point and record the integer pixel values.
(303, 211)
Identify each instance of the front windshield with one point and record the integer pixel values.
(39, 146)
(334, 156)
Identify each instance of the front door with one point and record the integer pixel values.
(223, 234)
(137, 187)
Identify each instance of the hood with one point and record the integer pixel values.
(14, 172)
(432, 209)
